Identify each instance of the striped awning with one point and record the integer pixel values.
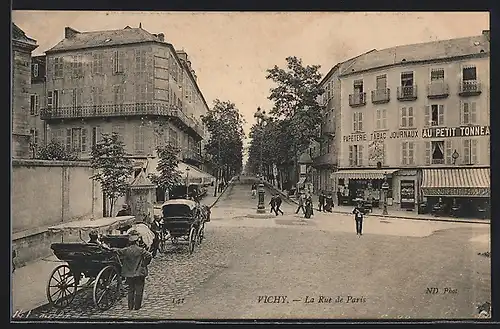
(364, 173)
(456, 182)
(195, 175)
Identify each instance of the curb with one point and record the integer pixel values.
(437, 219)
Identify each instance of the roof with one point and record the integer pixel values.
(342, 66)
(420, 52)
(20, 35)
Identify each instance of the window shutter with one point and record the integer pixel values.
(68, 140)
(441, 115)
(410, 117)
(84, 139)
(121, 60)
(448, 152)
(427, 152)
(411, 153)
(351, 156)
(384, 118)
(473, 113)
(404, 153)
(378, 118)
(360, 121)
(462, 112)
(360, 155)
(49, 100)
(37, 104)
(466, 151)
(355, 121)
(427, 116)
(474, 151)
(115, 61)
(403, 117)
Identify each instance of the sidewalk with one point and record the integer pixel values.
(392, 213)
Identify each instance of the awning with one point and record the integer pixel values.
(364, 173)
(195, 175)
(456, 182)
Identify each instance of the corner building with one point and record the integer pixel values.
(418, 115)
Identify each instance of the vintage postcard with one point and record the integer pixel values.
(250, 165)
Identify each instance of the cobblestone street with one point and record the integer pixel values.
(385, 273)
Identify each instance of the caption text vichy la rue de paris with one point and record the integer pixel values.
(283, 299)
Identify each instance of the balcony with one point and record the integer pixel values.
(191, 157)
(380, 96)
(357, 99)
(178, 117)
(437, 161)
(438, 89)
(470, 88)
(407, 93)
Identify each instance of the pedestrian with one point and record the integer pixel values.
(321, 201)
(308, 202)
(329, 202)
(254, 190)
(273, 203)
(301, 203)
(278, 205)
(358, 217)
(125, 211)
(135, 260)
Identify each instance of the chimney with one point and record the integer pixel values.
(189, 65)
(69, 32)
(161, 37)
(486, 33)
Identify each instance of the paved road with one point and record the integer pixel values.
(383, 274)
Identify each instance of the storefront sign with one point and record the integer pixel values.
(407, 194)
(355, 138)
(456, 191)
(469, 131)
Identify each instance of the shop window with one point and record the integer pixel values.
(437, 152)
(470, 151)
(434, 115)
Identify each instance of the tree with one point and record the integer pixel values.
(55, 151)
(296, 104)
(225, 145)
(169, 175)
(113, 167)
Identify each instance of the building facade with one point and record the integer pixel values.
(417, 115)
(126, 81)
(22, 47)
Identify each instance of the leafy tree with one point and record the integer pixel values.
(296, 104)
(169, 175)
(113, 167)
(55, 151)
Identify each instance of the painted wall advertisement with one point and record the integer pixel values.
(407, 194)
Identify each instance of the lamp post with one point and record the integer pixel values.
(187, 182)
(261, 116)
(385, 188)
(455, 156)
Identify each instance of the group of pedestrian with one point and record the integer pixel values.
(304, 201)
(325, 202)
(276, 204)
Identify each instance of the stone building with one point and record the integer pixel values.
(418, 115)
(22, 47)
(37, 126)
(126, 81)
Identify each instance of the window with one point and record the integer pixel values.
(140, 93)
(118, 59)
(35, 70)
(76, 140)
(119, 129)
(140, 62)
(56, 135)
(97, 63)
(437, 152)
(469, 115)
(58, 67)
(408, 153)
(97, 96)
(357, 118)
(358, 86)
(52, 99)
(139, 139)
(96, 135)
(470, 151)
(119, 94)
(77, 66)
(407, 117)
(34, 138)
(173, 139)
(34, 104)
(381, 119)
(434, 115)
(407, 79)
(381, 82)
(77, 97)
(437, 75)
(469, 73)
(355, 155)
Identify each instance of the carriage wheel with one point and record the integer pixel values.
(201, 233)
(61, 288)
(106, 288)
(192, 239)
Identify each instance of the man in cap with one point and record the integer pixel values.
(134, 268)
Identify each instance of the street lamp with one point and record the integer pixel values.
(385, 188)
(187, 182)
(261, 117)
(455, 156)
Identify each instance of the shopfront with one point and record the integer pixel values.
(461, 192)
(405, 188)
(363, 184)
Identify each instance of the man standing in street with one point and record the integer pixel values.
(321, 201)
(273, 203)
(301, 203)
(358, 217)
(134, 268)
(278, 205)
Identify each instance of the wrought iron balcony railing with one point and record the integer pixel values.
(380, 96)
(470, 88)
(437, 89)
(407, 93)
(192, 155)
(117, 110)
(357, 99)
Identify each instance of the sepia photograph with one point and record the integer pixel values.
(250, 165)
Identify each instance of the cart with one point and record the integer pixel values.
(87, 265)
(183, 219)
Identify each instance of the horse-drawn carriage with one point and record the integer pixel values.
(87, 265)
(183, 219)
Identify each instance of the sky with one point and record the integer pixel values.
(231, 51)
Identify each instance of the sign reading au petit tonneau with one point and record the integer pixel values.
(467, 131)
